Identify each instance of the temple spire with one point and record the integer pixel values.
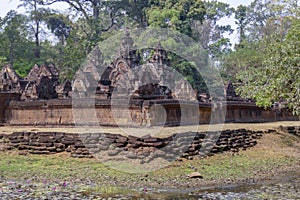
(160, 56)
(128, 50)
(127, 45)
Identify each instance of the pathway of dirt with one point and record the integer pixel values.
(154, 131)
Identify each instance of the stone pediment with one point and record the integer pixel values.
(9, 80)
(40, 83)
(128, 73)
(38, 72)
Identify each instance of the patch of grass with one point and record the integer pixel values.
(289, 140)
(54, 167)
(245, 164)
(272, 153)
(106, 191)
(225, 166)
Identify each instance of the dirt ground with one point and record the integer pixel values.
(156, 131)
(276, 156)
(274, 160)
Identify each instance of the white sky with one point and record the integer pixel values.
(234, 38)
(236, 3)
(7, 5)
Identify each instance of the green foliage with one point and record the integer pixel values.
(217, 10)
(16, 47)
(60, 25)
(265, 64)
(209, 33)
(278, 79)
(167, 18)
(219, 48)
(246, 56)
(2, 60)
(136, 12)
(241, 20)
(177, 15)
(191, 74)
(22, 67)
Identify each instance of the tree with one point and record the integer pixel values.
(209, 33)
(37, 15)
(93, 21)
(257, 23)
(92, 12)
(265, 64)
(177, 15)
(16, 48)
(241, 20)
(137, 11)
(258, 13)
(278, 79)
(265, 17)
(60, 25)
(13, 26)
(247, 55)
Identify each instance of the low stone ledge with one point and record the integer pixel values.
(84, 145)
(295, 130)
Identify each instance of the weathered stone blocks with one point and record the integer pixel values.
(185, 144)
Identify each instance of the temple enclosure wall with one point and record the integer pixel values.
(5, 98)
(161, 112)
(144, 148)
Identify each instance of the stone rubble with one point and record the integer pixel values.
(186, 145)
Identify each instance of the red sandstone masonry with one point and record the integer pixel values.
(83, 146)
(60, 113)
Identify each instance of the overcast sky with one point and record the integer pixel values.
(7, 5)
(234, 38)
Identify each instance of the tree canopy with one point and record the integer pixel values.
(263, 65)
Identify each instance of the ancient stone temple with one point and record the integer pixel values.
(128, 59)
(10, 88)
(9, 80)
(41, 83)
(64, 91)
(153, 96)
(153, 80)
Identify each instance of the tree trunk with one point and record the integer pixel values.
(96, 4)
(11, 56)
(37, 52)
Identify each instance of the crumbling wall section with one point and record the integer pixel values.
(145, 148)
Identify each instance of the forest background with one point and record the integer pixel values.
(263, 63)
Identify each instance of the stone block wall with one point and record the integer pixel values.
(144, 148)
(294, 130)
(42, 112)
(5, 98)
(161, 112)
(249, 112)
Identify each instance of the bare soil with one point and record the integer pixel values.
(154, 131)
(274, 159)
